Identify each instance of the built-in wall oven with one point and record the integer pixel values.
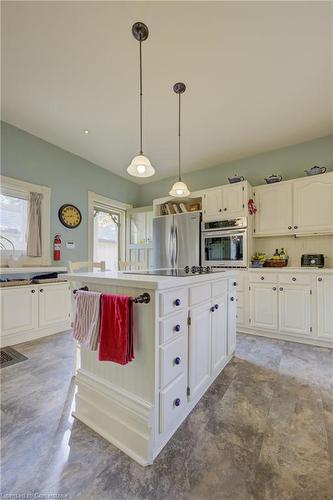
(224, 243)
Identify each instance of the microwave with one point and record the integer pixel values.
(224, 243)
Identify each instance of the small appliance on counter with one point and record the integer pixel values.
(313, 260)
(315, 170)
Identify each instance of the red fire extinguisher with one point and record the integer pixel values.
(56, 247)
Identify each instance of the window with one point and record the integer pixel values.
(14, 213)
(13, 223)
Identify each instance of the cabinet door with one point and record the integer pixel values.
(325, 306)
(313, 204)
(219, 332)
(233, 201)
(294, 309)
(232, 317)
(264, 306)
(54, 304)
(19, 309)
(212, 204)
(199, 348)
(274, 204)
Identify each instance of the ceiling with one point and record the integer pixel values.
(258, 76)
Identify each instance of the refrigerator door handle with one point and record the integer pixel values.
(176, 247)
(170, 248)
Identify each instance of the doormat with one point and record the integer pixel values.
(10, 357)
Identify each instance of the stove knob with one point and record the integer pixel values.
(186, 269)
(194, 269)
(208, 270)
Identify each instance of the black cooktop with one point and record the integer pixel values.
(178, 273)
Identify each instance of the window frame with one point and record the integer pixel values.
(108, 204)
(15, 187)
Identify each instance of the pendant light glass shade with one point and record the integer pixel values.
(179, 189)
(141, 167)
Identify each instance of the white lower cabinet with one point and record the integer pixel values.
(263, 306)
(54, 304)
(199, 348)
(219, 332)
(19, 309)
(30, 312)
(325, 306)
(295, 309)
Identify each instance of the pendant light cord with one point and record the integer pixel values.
(179, 174)
(141, 152)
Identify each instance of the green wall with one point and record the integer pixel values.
(290, 162)
(28, 158)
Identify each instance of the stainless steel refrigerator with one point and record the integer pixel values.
(176, 241)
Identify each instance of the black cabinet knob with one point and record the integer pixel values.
(177, 302)
(232, 299)
(177, 328)
(295, 227)
(289, 227)
(41, 290)
(320, 279)
(33, 291)
(177, 361)
(262, 277)
(177, 402)
(294, 279)
(274, 288)
(235, 283)
(281, 289)
(220, 209)
(212, 309)
(216, 306)
(225, 209)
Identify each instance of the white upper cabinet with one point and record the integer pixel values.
(313, 204)
(300, 206)
(275, 209)
(325, 306)
(212, 203)
(225, 202)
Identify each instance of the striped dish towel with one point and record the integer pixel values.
(87, 318)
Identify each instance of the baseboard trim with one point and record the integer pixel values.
(288, 338)
(26, 336)
(120, 417)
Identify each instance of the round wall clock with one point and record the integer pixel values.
(70, 216)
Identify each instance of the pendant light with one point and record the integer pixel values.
(140, 165)
(179, 189)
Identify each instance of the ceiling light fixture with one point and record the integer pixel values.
(179, 189)
(140, 165)
(86, 131)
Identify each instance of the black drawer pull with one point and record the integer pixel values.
(294, 279)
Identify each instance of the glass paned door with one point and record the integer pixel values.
(106, 237)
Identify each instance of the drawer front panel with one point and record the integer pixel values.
(219, 287)
(173, 360)
(173, 301)
(199, 293)
(263, 277)
(173, 327)
(173, 401)
(294, 278)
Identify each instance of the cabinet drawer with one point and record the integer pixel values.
(173, 327)
(297, 279)
(219, 287)
(173, 301)
(173, 401)
(173, 360)
(199, 293)
(263, 277)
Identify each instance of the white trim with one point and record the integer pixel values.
(26, 187)
(94, 198)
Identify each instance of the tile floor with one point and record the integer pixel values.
(264, 430)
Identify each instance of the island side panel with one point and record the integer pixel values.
(118, 401)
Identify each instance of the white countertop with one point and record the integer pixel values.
(145, 281)
(32, 270)
(317, 270)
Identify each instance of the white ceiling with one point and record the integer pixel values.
(258, 76)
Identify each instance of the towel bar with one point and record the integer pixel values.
(140, 299)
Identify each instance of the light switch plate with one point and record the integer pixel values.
(70, 244)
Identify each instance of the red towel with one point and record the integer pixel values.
(116, 331)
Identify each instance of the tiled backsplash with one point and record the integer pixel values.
(295, 247)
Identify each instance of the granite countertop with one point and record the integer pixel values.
(145, 281)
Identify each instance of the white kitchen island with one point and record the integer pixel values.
(183, 339)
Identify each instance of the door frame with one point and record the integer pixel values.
(93, 199)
